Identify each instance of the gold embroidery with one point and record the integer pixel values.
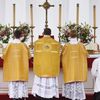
(47, 47)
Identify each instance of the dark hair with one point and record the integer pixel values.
(17, 33)
(47, 31)
(73, 34)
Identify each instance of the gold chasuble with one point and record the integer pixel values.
(74, 62)
(46, 57)
(16, 62)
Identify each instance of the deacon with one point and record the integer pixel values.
(74, 62)
(16, 66)
(46, 67)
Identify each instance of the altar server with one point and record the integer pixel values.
(74, 62)
(96, 74)
(46, 67)
(16, 66)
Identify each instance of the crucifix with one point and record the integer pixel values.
(46, 6)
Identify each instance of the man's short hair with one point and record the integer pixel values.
(17, 33)
(47, 31)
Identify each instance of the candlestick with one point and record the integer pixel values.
(31, 14)
(59, 28)
(77, 14)
(13, 14)
(94, 29)
(94, 16)
(60, 7)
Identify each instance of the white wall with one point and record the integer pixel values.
(20, 11)
(2, 11)
(83, 11)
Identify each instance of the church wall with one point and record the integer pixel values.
(83, 11)
(20, 12)
(2, 11)
(97, 3)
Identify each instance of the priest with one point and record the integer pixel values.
(46, 67)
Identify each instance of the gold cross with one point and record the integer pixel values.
(46, 6)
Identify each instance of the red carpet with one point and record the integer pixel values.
(5, 97)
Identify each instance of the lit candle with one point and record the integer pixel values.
(60, 6)
(94, 16)
(77, 14)
(13, 14)
(31, 14)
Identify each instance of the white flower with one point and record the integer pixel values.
(5, 37)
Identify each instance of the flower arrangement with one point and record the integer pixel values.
(83, 32)
(5, 33)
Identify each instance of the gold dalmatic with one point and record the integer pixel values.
(16, 62)
(46, 57)
(74, 62)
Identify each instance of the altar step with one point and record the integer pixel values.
(5, 97)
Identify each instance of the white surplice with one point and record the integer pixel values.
(45, 87)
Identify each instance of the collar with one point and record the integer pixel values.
(73, 41)
(46, 36)
(16, 41)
